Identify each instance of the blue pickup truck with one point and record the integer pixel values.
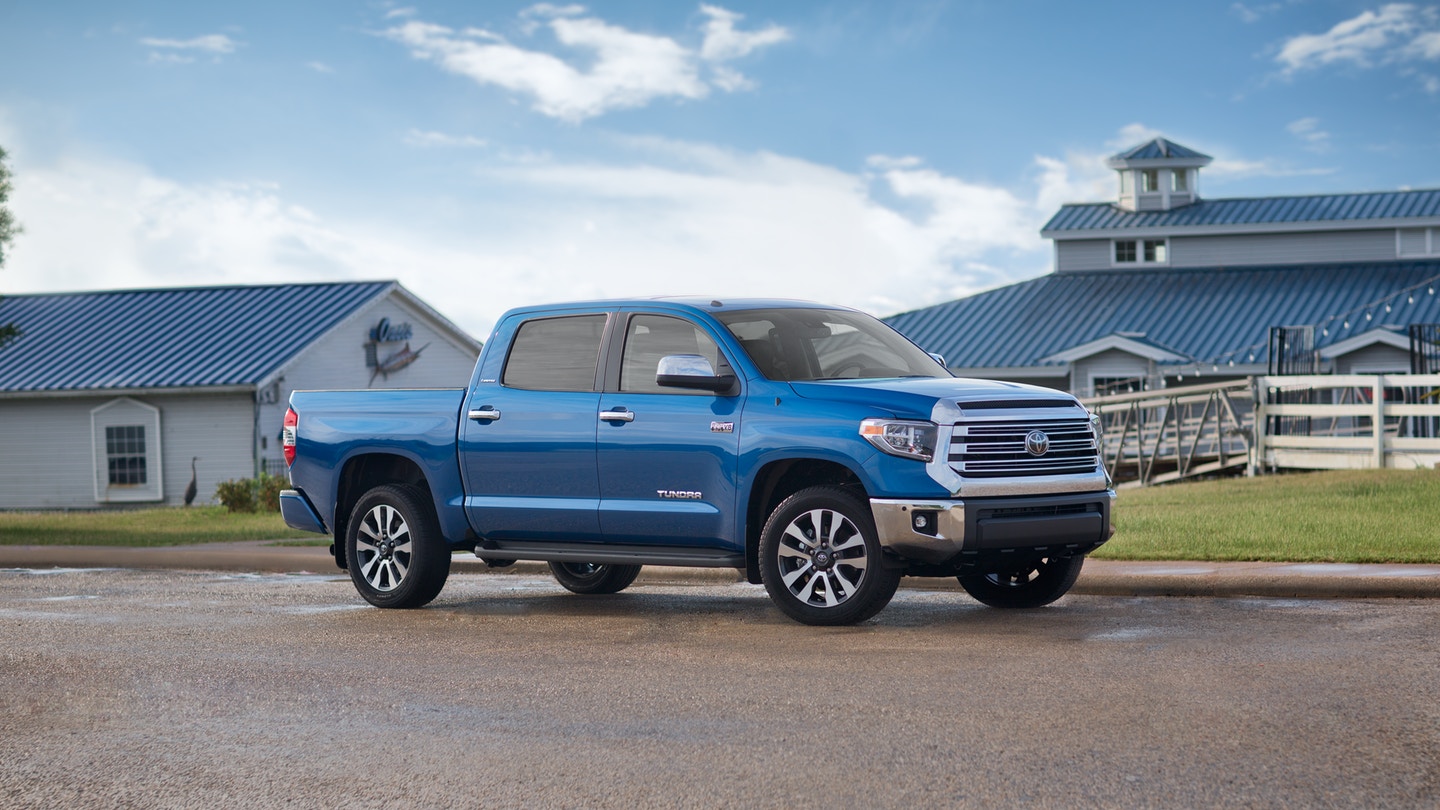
(811, 447)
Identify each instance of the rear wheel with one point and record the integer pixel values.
(591, 578)
(395, 554)
(1035, 584)
(820, 558)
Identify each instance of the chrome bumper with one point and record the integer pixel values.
(936, 531)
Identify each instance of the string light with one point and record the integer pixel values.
(1369, 310)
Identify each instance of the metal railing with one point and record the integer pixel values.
(1151, 437)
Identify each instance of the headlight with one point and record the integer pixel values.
(900, 438)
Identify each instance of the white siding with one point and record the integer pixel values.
(1373, 359)
(46, 444)
(337, 361)
(1082, 254)
(1239, 250)
(1282, 248)
(1109, 363)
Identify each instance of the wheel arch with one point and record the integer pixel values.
(362, 473)
(778, 480)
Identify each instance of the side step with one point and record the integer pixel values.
(610, 554)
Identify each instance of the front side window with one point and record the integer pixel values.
(792, 345)
(1124, 251)
(651, 337)
(125, 454)
(1179, 180)
(555, 354)
(1150, 180)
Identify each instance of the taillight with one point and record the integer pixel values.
(287, 438)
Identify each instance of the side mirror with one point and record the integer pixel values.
(939, 358)
(691, 371)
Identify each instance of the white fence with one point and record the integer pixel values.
(1267, 423)
(1348, 421)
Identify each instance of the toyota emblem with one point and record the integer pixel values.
(1036, 442)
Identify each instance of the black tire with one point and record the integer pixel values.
(1033, 585)
(820, 558)
(592, 578)
(396, 556)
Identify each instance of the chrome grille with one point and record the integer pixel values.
(996, 449)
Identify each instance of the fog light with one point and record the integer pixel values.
(923, 522)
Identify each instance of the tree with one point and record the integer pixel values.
(8, 229)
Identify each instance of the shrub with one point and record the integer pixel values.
(237, 496)
(267, 491)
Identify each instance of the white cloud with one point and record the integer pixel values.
(676, 218)
(1396, 33)
(320, 67)
(723, 42)
(182, 50)
(1133, 135)
(419, 138)
(621, 68)
(1309, 131)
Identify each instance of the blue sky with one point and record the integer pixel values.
(885, 155)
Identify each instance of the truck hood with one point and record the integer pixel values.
(915, 398)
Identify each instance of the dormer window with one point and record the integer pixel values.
(1142, 251)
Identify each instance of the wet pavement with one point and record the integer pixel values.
(1107, 577)
(175, 688)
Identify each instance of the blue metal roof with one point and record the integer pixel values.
(1210, 315)
(169, 338)
(1158, 149)
(1251, 211)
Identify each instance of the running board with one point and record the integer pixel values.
(610, 554)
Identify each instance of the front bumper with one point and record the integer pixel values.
(938, 531)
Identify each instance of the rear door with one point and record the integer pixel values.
(667, 456)
(527, 446)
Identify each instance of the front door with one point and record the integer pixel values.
(667, 456)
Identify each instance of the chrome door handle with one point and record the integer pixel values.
(621, 415)
(487, 414)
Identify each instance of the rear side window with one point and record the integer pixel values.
(555, 354)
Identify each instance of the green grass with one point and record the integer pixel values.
(1359, 516)
(143, 527)
(1350, 516)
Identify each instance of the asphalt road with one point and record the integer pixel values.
(189, 689)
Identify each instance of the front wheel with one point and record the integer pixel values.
(591, 578)
(820, 558)
(1035, 584)
(396, 556)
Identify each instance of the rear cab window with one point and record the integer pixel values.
(555, 354)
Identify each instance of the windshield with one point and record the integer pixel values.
(792, 345)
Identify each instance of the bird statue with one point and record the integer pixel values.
(191, 489)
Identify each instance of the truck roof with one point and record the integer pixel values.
(691, 303)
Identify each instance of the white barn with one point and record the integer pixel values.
(109, 397)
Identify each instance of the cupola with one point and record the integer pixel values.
(1158, 175)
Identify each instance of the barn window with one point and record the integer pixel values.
(125, 454)
(125, 437)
